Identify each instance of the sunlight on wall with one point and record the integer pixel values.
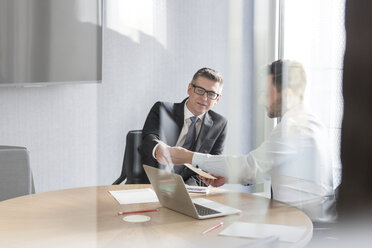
(87, 12)
(131, 18)
(314, 35)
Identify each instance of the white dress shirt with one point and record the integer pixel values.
(297, 159)
(185, 127)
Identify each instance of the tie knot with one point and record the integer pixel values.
(194, 119)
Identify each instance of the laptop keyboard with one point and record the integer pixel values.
(204, 210)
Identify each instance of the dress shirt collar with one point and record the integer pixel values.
(188, 114)
(298, 113)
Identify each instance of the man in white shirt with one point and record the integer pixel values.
(295, 157)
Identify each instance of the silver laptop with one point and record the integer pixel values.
(172, 194)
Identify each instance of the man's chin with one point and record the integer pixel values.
(200, 113)
(272, 115)
(202, 110)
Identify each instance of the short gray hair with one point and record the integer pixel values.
(208, 73)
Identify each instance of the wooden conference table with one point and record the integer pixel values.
(87, 217)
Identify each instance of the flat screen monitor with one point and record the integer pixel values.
(50, 42)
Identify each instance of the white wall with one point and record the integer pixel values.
(152, 55)
(58, 126)
(76, 133)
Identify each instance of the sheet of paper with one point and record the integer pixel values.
(199, 171)
(255, 230)
(131, 196)
(197, 190)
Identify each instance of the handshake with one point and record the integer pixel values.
(168, 155)
(177, 156)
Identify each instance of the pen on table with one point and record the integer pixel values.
(212, 228)
(139, 211)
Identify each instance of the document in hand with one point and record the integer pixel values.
(256, 230)
(199, 171)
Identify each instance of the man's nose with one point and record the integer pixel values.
(205, 96)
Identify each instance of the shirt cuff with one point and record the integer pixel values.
(153, 151)
(198, 159)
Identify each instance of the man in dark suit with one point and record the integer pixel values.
(190, 124)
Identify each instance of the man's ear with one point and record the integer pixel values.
(189, 89)
(218, 98)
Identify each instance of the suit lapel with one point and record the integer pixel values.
(179, 114)
(171, 121)
(206, 125)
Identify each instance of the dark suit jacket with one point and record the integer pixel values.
(165, 122)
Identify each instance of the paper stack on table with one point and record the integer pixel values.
(132, 196)
(256, 230)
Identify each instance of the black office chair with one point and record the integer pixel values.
(132, 169)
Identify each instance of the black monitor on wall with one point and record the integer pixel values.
(45, 42)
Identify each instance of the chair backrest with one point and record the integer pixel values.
(15, 173)
(132, 168)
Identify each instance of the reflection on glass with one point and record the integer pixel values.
(317, 39)
(295, 156)
(298, 148)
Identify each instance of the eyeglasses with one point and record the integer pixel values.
(201, 91)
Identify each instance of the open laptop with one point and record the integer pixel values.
(172, 194)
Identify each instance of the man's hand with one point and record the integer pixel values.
(173, 155)
(214, 182)
(162, 154)
(180, 155)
